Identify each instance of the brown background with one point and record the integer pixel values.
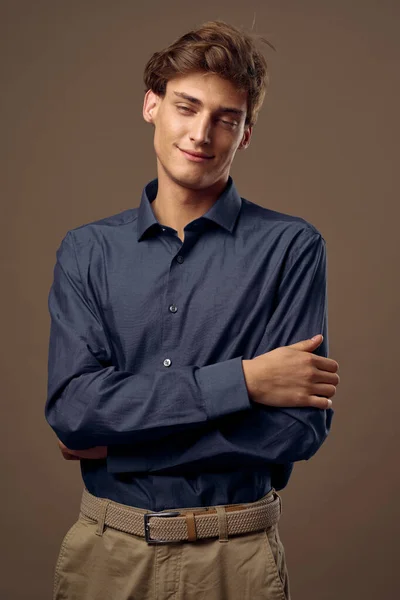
(74, 148)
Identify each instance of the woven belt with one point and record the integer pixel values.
(184, 524)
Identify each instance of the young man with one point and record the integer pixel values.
(182, 373)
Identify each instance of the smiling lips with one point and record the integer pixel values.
(195, 156)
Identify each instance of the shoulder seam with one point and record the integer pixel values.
(100, 222)
(72, 244)
(315, 234)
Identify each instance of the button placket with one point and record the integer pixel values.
(168, 341)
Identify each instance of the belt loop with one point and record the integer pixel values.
(222, 524)
(102, 517)
(191, 526)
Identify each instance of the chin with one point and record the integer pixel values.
(190, 180)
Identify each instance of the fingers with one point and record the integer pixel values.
(68, 456)
(325, 377)
(61, 445)
(96, 452)
(324, 389)
(318, 402)
(325, 364)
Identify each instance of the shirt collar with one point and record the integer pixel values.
(223, 212)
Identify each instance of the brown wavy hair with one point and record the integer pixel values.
(219, 48)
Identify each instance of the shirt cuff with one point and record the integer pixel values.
(223, 388)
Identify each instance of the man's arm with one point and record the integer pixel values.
(265, 434)
(91, 403)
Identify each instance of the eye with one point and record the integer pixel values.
(189, 110)
(185, 108)
(232, 124)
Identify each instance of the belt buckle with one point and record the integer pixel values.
(147, 516)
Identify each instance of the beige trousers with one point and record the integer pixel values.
(122, 566)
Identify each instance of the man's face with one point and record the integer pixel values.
(194, 116)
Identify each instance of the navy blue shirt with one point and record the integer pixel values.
(147, 338)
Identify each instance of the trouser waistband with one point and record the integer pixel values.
(183, 524)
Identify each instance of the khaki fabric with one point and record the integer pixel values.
(120, 566)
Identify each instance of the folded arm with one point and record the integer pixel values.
(265, 434)
(91, 403)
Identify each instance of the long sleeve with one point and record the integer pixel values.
(90, 402)
(264, 434)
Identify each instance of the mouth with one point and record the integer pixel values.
(195, 157)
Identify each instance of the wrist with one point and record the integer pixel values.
(249, 378)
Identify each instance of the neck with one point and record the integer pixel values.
(175, 205)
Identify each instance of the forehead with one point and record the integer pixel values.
(208, 88)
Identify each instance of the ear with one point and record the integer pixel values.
(246, 138)
(150, 106)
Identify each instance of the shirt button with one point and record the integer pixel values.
(180, 259)
(167, 362)
(173, 308)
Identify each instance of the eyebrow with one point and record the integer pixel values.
(227, 109)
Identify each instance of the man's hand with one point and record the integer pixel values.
(95, 452)
(292, 376)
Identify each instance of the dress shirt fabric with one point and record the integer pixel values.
(147, 338)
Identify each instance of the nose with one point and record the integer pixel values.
(200, 130)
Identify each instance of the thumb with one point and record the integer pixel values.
(308, 345)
